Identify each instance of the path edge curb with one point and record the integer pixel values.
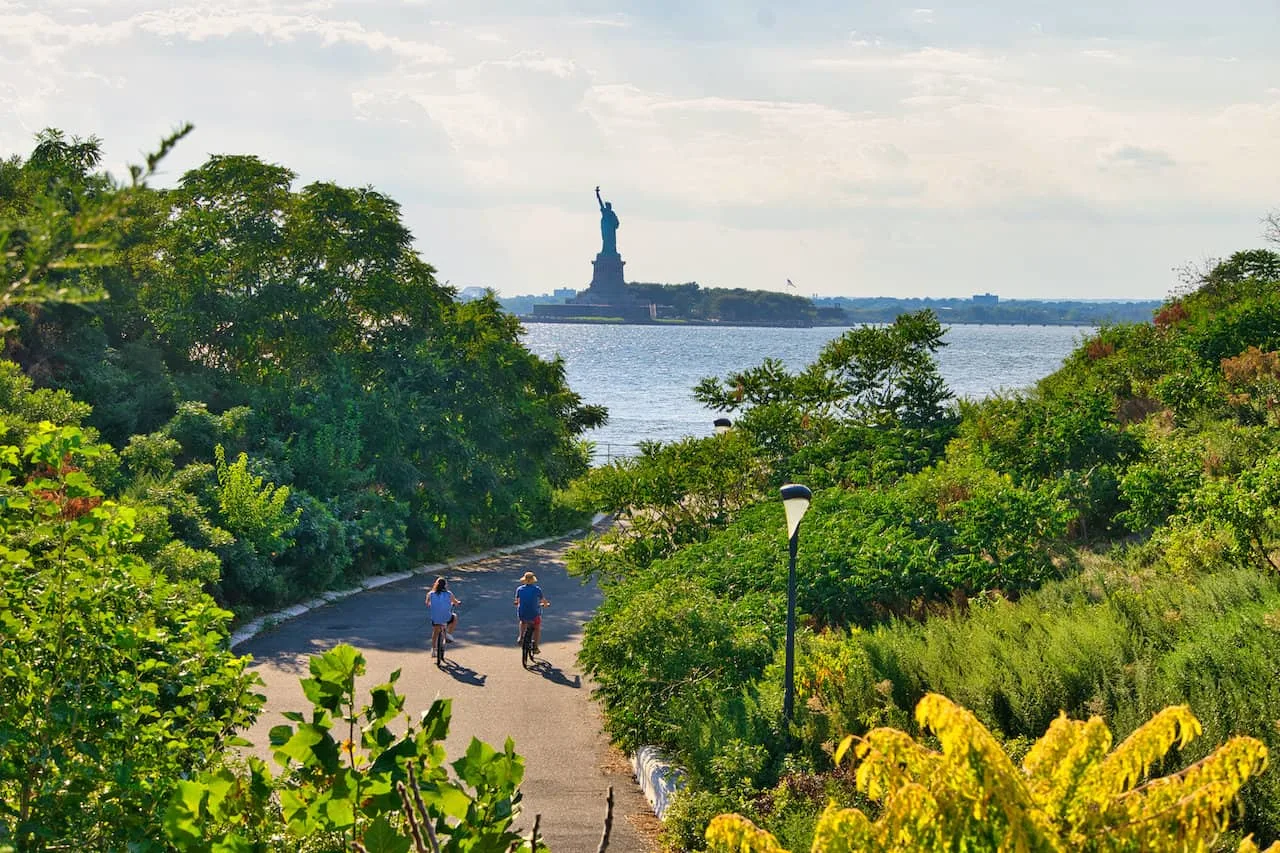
(658, 779)
(256, 626)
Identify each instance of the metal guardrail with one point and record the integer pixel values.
(604, 452)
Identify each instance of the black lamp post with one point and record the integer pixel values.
(795, 500)
(722, 425)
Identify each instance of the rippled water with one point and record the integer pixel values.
(645, 374)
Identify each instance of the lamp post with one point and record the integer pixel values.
(722, 425)
(795, 500)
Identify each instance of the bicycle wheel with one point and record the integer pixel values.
(526, 646)
(440, 647)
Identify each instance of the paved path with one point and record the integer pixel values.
(569, 764)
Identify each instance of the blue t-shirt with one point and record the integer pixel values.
(528, 601)
(441, 606)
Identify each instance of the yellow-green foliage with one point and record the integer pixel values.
(1072, 792)
(253, 508)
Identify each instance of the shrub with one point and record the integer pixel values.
(367, 776)
(1234, 329)
(663, 654)
(1158, 484)
(1039, 437)
(1072, 792)
(253, 510)
(318, 555)
(668, 496)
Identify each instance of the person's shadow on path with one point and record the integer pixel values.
(465, 674)
(555, 674)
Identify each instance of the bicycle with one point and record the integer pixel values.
(441, 638)
(440, 641)
(526, 646)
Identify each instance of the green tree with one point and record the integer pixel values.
(116, 680)
(298, 327)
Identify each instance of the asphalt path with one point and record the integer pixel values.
(569, 764)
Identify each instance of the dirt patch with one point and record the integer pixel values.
(629, 802)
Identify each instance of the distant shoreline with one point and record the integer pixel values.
(617, 321)
(691, 305)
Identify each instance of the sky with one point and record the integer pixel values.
(1073, 149)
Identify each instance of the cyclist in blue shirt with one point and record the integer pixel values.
(529, 604)
(441, 603)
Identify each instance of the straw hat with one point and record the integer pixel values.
(529, 577)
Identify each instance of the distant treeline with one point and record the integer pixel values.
(884, 309)
(689, 301)
(694, 303)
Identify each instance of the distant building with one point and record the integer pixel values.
(986, 299)
(564, 294)
(470, 294)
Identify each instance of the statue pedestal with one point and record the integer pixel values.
(607, 281)
(607, 297)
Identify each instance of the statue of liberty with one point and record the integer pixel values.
(608, 226)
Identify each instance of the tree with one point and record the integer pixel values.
(869, 375)
(869, 380)
(402, 423)
(889, 375)
(117, 681)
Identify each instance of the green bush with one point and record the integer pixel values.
(369, 775)
(1040, 437)
(662, 654)
(1229, 332)
(318, 556)
(1158, 485)
(252, 509)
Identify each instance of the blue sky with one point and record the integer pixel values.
(1030, 149)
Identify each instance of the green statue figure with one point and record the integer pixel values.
(608, 226)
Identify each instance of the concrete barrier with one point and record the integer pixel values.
(658, 779)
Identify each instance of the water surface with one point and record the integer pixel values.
(645, 375)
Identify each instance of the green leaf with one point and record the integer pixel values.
(279, 735)
(435, 720)
(233, 843)
(183, 816)
(340, 811)
(472, 767)
(293, 807)
(312, 745)
(451, 799)
(381, 838)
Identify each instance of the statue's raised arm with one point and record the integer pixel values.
(599, 200)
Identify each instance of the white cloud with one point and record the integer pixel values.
(928, 151)
(1137, 157)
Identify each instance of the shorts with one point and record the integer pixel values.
(537, 620)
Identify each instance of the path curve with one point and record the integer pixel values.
(569, 763)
